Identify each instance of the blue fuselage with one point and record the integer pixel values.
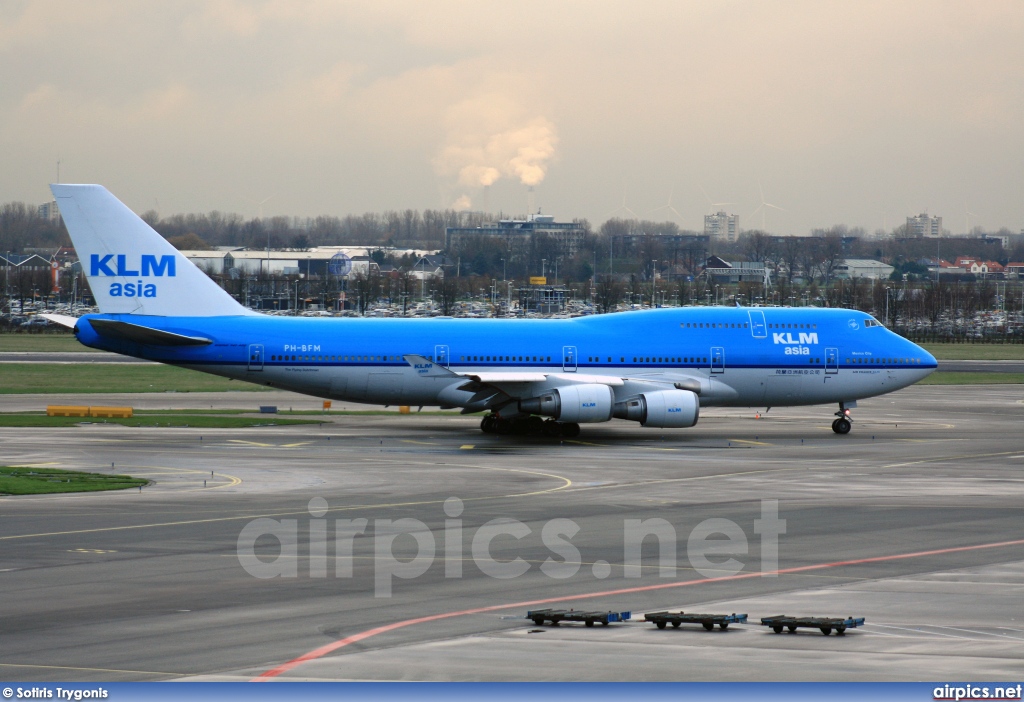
(741, 356)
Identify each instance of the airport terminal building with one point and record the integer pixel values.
(518, 233)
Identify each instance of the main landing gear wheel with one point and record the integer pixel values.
(842, 426)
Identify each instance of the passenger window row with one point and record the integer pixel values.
(713, 325)
(883, 361)
(343, 359)
(653, 359)
(510, 359)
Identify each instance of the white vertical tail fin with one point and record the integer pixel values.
(130, 268)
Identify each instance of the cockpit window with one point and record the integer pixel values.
(870, 322)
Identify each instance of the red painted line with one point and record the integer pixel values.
(363, 635)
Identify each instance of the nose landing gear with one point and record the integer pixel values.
(844, 422)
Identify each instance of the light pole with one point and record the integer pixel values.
(543, 268)
(508, 308)
(654, 280)
(504, 270)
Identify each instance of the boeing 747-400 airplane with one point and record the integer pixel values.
(657, 368)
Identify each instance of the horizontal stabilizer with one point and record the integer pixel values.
(61, 319)
(126, 331)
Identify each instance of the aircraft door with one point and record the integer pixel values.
(569, 359)
(255, 357)
(441, 356)
(717, 359)
(758, 328)
(831, 361)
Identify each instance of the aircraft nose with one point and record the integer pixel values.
(928, 362)
(926, 357)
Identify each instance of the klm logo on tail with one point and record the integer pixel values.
(118, 266)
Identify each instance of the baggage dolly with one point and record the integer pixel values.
(663, 619)
(555, 616)
(824, 624)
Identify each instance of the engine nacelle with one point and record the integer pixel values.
(582, 404)
(668, 409)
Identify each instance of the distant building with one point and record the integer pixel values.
(49, 212)
(1014, 269)
(979, 267)
(543, 299)
(518, 233)
(943, 267)
(311, 262)
(722, 226)
(865, 268)
(924, 226)
(1002, 240)
(729, 272)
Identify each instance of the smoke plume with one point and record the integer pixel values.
(477, 155)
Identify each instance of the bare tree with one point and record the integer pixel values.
(366, 287)
(447, 289)
(792, 247)
(608, 293)
(810, 258)
(831, 254)
(757, 245)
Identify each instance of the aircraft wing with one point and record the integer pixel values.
(496, 388)
(428, 368)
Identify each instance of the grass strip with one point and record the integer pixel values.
(41, 481)
(976, 352)
(48, 378)
(196, 421)
(42, 343)
(968, 378)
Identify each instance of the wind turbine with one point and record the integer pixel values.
(622, 207)
(763, 207)
(668, 206)
(259, 205)
(967, 219)
(712, 205)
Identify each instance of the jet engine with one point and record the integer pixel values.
(582, 404)
(668, 409)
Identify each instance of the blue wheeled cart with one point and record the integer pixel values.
(663, 619)
(556, 616)
(825, 624)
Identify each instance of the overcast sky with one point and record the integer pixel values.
(844, 112)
